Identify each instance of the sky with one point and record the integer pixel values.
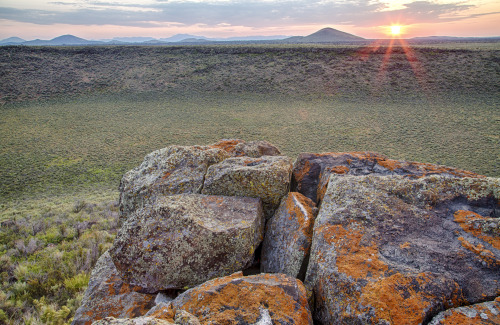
(104, 19)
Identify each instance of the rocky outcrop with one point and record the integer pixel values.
(181, 169)
(257, 299)
(108, 295)
(395, 250)
(186, 239)
(288, 237)
(312, 171)
(267, 177)
(486, 313)
(391, 242)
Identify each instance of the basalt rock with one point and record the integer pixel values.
(486, 313)
(184, 240)
(181, 169)
(267, 177)
(288, 237)
(395, 250)
(107, 295)
(238, 299)
(312, 171)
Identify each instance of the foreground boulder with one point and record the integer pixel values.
(312, 171)
(184, 240)
(134, 321)
(288, 237)
(395, 250)
(267, 177)
(172, 170)
(238, 299)
(107, 295)
(181, 169)
(486, 313)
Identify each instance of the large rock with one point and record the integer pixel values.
(486, 313)
(134, 321)
(312, 171)
(254, 149)
(172, 170)
(267, 177)
(288, 237)
(395, 250)
(237, 299)
(184, 240)
(107, 295)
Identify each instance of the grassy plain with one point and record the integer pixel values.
(74, 119)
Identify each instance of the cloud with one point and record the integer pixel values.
(257, 14)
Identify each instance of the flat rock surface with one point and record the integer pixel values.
(254, 149)
(395, 250)
(184, 240)
(107, 295)
(486, 313)
(312, 171)
(288, 237)
(267, 177)
(237, 299)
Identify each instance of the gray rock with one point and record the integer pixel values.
(184, 240)
(312, 171)
(258, 299)
(288, 237)
(107, 295)
(267, 177)
(393, 250)
(254, 149)
(134, 321)
(167, 171)
(486, 313)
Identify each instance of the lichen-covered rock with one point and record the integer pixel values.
(254, 149)
(395, 250)
(172, 170)
(312, 171)
(107, 295)
(288, 237)
(486, 313)
(133, 321)
(237, 299)
(184, 240)
(267, 177)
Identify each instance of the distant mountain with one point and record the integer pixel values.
(181, 37)
(133, 39)
(12, 41)
(63, 40)
(325, 35)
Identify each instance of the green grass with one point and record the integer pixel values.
(57, 147)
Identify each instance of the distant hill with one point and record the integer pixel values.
(325, 35)
(12, 41)
(63, 40)
(181, 37)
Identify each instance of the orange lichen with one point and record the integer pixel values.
(299, 174)
(482, 316)
(227, 145)
(339, 169)
(166, 175)
(399, 299)
(300, 209)
(223, 301)
(165, 313)
(481, 252)
(354, 258)
(405, 245)
(469, 221)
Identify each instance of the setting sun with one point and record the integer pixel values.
(395, 30)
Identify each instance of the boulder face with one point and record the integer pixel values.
(486, 313)
(181, 169)
(172, 170)
(395, 250)
(257, 299)
(184, 240)
(288, 237)
(267, 177)
(134, 321)
(107, 295)
(312, 171)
